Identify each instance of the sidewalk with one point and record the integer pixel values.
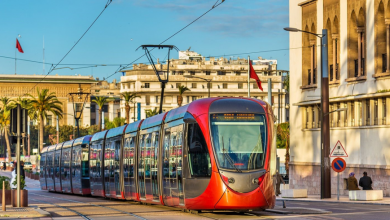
(343, 199)
(24, 212)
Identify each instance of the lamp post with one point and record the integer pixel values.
(197, 77)
(325, 131)
(75, 98)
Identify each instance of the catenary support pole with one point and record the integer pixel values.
(18, 120)
(161, 97)
(58, 131)
(325, 137)
(102, 120)
(338, 186)
(3, 197)
(28, 137)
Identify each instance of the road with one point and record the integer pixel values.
(64, 206)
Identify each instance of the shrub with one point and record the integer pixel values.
(22, 182)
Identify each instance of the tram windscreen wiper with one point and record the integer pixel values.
(228, 158)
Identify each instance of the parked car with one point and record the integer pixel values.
(28, 166)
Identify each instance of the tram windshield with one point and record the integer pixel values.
(240, 140)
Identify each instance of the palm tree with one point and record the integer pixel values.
(5, 121)
(129, 97)
(150, 113)
(43, 103)
(100, 101)
(283, 131)
(182, 89)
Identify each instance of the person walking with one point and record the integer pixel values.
(279, 180)
(352, 182)
(365, 182)
(4, 166)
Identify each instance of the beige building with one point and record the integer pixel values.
(228, 78)
(14, 86)
(359, 79)
(112, 108)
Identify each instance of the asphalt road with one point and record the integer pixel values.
(64, 206)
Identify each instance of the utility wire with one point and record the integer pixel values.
(215, 5)
(54, 66)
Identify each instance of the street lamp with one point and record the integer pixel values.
(207, 80)
(78, 97)
(325, 136)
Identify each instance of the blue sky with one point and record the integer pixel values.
(235, 27)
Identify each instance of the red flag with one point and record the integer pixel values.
(18, 46)
(254, 76)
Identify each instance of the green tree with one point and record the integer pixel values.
(43, 103)
(283, 134)
(5, 114)
(182, 89)
(286, 83)
(100, 101)
(129, 97)
(150, 113)
(118, 122)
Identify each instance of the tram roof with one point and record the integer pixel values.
(116, 131)
(51, 148)
(67, 144)
(176, 113)
(82, 140)
(44, 150)
(133, 127)
(153, 121)
(59, 146)
(99, 136)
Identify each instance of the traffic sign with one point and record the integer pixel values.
(338, 151)
(339, 165)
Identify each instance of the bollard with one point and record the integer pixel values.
(3, 199)
(284, 204)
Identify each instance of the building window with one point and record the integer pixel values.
(238, 73)
(221, 73)
(240, 85)
(156, 99)
(147, 99)
(193, 98)
(173, 73)
(356, 42)
(225, 85)
(49, 120)
(192, 73)
(178, 85)
(180, 73)
(188, 99)
(208, 73)
(384, 111)
(93, 121)
(93, 108)
(193, 85)
(368, 115)
(147, 85)
(118, 114)
(105, 108)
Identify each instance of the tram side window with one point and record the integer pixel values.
(198, 154)
(84, 161)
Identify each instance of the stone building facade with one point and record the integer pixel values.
(14, 86)
(359, 79)
(228, 78)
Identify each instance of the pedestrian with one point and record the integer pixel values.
(13, 177)
(352, 182)
(22, 170)
(4, 166)
(279, 180)
(365, 182)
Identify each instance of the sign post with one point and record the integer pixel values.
(338, 165)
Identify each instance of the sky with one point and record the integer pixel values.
(232, 29)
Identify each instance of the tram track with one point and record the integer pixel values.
(63, 207)
(87, 203)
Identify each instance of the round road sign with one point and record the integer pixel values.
(339, 165)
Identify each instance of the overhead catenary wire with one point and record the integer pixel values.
(54, 66)
(215, 5)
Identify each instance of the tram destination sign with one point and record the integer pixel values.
(236, 117)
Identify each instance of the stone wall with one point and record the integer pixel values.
(306, 176)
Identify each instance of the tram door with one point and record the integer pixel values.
(107, 169)
(116, 167)
(172, 166)
(141, 166)
(128, 168)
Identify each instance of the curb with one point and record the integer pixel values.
(327, 201)
(298, 210)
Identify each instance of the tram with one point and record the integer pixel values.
(212, 154)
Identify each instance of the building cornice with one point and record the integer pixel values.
(307, 2)
(48, 79)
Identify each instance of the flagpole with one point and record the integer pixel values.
(15, 58)
(249, 69)
(43, 55)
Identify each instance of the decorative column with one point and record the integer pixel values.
(310, 115)
(335, 37)
(360, 49)
(349, 115)
(372, 111)
(380, 111)
(387, 110)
